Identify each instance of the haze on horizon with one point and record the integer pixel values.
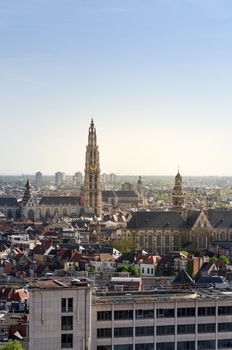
(155, 76)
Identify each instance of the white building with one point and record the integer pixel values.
(60, 315)
(63, 315)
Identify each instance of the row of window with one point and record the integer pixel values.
(66, 323)
(182, 345)
(163, 330)
(164, 313)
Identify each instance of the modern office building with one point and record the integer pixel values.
(69, 314)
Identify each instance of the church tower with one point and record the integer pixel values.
(178, 192)
(27, 193)
(92, 185)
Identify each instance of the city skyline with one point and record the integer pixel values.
(154, 76)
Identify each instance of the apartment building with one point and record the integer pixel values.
(72, 315)
(192, 320)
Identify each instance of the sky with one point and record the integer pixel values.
(155, 75)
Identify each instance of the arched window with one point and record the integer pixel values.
(47, 213)
(31, 215)
(202, 239)
(222, 236)
(9, 213)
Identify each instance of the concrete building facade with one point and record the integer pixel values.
(63, 315)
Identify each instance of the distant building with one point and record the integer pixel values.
(39, 179)
(59, 178)
(127, 186)
(78, 179)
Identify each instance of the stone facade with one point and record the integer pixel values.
(164, 231)
(60, 315)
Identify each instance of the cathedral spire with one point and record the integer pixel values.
(92, 185)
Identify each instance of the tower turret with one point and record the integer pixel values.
(178, 192)
(27, 193)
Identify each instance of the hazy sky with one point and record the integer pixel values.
(156, 76)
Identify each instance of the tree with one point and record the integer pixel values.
(133, 271)
(224, 259)
(123, 245)
(13, 345)
(213, 259)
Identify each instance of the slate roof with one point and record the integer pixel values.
(60, 200)
(210, 280)
(129, 194)
(108, 194)
(220, 218)
(183, 278)
(206, 266)
(119, 194)
(192, 217)
(156, 220)
(8, 202)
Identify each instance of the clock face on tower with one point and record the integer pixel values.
(92, 167)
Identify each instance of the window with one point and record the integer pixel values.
(148, 270)
(142, 269)
(206, 311)
(104, 347)
(165, 313)
(144, 331)
(152, 271)
(123, 315)
(225, 344)
(186, 345)
(104, 315)
(145, 346)
(225, 327)
(165, 346)
(225, 310)
(186, 312)
(206, 328)
(144, 314)
(123, 347)
(66, 341)
(66, 323)
(104, 333)
(186, 328)
(165, 330)
(206, 344)
(123, 332)
(67, 305)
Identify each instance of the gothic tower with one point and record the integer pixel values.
(178, 192)
(27, 193)
(92, 185)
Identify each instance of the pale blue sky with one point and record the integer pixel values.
(155, 75)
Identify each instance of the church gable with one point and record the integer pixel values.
(202, 222)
